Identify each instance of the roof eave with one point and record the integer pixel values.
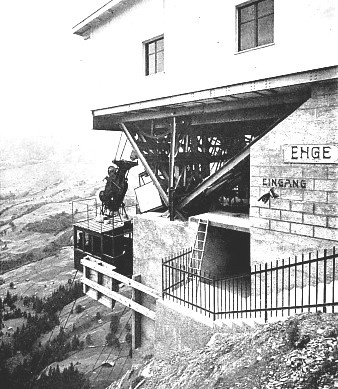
(96, 17)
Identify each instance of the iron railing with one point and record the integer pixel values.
(281, 288)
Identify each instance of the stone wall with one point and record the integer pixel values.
(154, 239)
(177, 329)
(301, 219)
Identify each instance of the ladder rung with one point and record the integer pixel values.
(195, 263)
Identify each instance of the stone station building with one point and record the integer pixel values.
(239, 98)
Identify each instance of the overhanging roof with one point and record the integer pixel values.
(101, 14)
(257, 106)
(281, 90)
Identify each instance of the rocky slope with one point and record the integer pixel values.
(301, 352)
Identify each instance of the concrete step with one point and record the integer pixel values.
(239, 325)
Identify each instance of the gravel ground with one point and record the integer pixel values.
(301, 352)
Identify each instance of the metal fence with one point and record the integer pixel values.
(281, 288)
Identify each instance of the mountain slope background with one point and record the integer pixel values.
(39, 178)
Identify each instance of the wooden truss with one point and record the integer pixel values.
(201, 151)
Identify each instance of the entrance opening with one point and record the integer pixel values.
(227, 252)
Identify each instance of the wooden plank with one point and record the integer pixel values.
(105, 269)
(99, 262)
(118, 297)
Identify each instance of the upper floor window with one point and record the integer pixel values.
(154, 51)
(255, 24)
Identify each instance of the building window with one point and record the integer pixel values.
(255, 24)
(154, 56)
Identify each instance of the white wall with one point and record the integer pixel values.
(200, 47)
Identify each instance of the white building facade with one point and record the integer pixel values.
(174, 56)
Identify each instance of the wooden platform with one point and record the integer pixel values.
(227, 220)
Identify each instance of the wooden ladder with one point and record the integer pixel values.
(195, 262)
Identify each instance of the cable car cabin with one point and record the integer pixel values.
(111, 242)
(107, 237)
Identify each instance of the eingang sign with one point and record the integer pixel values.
(311, 153)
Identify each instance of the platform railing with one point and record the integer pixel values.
(87, 213)
(85, 209)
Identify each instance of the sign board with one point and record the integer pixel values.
(311, 153)
(148, 197)
(284, 183)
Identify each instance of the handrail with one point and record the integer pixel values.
(127, 281)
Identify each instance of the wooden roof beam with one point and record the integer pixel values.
(111, 121)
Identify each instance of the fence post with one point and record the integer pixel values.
(317, 278)
(277, 265)
(255, 291)
(214, 289)
(162, 279)
(266, 293)
(289, 286)
(333, 276)
(295, 283)
(324, 291)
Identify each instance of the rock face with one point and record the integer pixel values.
(301, 352)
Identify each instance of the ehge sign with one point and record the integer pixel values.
(311, 153)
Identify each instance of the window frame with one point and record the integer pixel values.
(239, 8)
(156, 52)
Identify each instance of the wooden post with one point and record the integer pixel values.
(145, 164)
(84, 286)
(100, 282)
(171, 170)
(101, 245)
(136, 317)
(186, 149)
